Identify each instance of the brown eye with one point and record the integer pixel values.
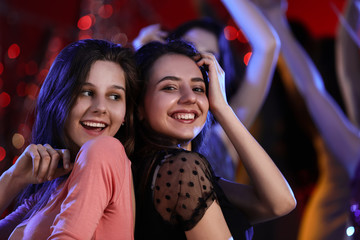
(115, 96)
(199, 89)
(168, 88)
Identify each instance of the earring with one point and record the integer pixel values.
(123, 124)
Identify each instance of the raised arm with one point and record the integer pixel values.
(270, 195)
(148, 34)
(265, 46)
(340, 136)
(348, 59)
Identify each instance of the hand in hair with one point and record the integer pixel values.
(217, 94)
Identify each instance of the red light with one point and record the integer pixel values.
(2, 153)
(83, 35)
(4, 99)
(15, 158)
(32, 90)
(241, 38)
(55, 44)
(13, 51)
(1, 68)
(105, 11)
(42, 75)
(247, 58)
(84, 22)
(230, 33)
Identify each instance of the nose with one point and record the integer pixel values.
(99, 105)
(187, 96)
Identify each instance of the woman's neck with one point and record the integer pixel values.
(186, 146)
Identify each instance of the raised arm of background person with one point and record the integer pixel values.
(348, 60)
(340, 136)
(148, 34)
(37, 164)
(270, 195)
(265, 46)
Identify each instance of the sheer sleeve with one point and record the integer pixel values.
(182, 188)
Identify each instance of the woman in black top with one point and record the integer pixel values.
(178, 196)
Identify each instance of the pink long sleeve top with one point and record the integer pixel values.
(95, 202)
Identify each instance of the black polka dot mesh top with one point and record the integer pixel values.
(180, 187)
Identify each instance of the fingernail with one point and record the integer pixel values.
(49, 178)
(66, 166)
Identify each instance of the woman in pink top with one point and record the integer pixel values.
(76, 176)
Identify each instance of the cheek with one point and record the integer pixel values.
(120, 113)
(204, 103)
(152, 105)
(71, 118)
(151, 110)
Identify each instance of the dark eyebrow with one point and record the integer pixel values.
(174, 78)
(112, 86)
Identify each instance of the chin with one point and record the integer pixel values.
(184, 137)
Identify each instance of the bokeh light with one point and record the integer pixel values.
(120, 38)
(85, 22)
(350, 231)
(29, 104)
(84, 35)
(13, 51)
(42, 75)
(241, 37)
(247, 58)
(32, 90)
(4, 99)
(2, 153)
(230, 33)
(18, 140)
(14, 159)
(55, 44)
(105, 11)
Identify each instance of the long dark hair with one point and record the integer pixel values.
(148, 142)
(227, 60)
(145, 59)
(59, 92)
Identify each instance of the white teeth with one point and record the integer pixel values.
(92, 124)
(185, 116)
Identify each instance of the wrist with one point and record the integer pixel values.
(220, 110)
(14, 180)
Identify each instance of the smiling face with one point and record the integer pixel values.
(175, 103)
(100, 107)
